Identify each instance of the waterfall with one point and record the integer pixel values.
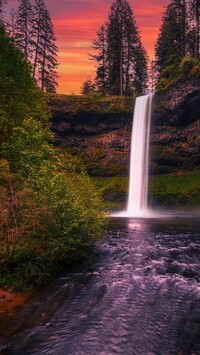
(139, 161)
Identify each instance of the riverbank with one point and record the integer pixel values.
(8, 301)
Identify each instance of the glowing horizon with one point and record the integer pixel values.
(76, 23)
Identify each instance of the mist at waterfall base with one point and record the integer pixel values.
(139, 161)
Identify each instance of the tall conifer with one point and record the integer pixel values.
(125, 52)
(45, 56)
(24, 29)
(121, 58)
(100, 46)
(194, 34)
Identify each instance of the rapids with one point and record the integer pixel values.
(140, 296)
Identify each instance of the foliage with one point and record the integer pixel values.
(23, 28)
(29, 153)
(167, 76)
(45, 49)
(178, 40)
(170, 46)
(58, 207)
(187, 65)
(114, 191)
(172, 73)
(20, 98)
(181, 191)
(88, 87)
(88, 103)
(176, 190)
(51, 214)
(120, 56)
(100, 46)
(32, 31)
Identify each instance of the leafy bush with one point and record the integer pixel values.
(50, 212)
(172, 73)
(167, 76)
(187, 65)
(20, 98)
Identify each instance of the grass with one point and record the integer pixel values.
(175, 190)
(88, 103)
(164, 191)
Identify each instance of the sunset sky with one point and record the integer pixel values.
(75, 24)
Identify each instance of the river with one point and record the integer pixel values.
(141, 296)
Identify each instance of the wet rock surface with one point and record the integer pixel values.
(103, 139)
(141, 296)
(176, 127)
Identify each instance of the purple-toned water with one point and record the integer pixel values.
(140, 297)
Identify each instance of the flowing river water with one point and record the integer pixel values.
(140, 297)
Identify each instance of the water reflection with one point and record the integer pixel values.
(135, 225)
(161, 223)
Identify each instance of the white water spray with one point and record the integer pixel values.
(139, 162)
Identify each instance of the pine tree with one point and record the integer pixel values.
(171, 45)
(19, 96)
(88, 87)
(45, 58)
(152, 75)
(24, 30)
(100, 46)
(121, 58)
(38, 28)
(125, 51)
(194, 32)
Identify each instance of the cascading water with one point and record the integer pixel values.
(139, 162)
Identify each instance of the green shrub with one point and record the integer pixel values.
(167, 76)
(187, 65)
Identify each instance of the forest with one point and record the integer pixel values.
(52, 212)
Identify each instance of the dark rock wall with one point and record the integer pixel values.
(103, 140)
(175, 142)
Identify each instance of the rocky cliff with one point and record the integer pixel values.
(99, 135)
(175, 140)
(102, 137)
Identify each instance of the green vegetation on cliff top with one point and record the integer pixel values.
(88, 103)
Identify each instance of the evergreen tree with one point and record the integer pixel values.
(121, 59)
(20, 98)
(171, 44)
(45, 58)
(193, 41)
(24, 30)
(125, 52)
(152, 75)
(88, 87)
(100, 46)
